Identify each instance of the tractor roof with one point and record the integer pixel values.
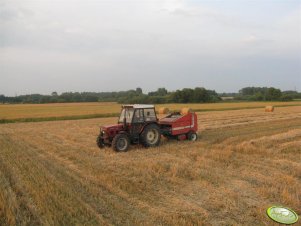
(138, 106)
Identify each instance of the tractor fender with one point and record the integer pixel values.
(147, 124)
(123, 132)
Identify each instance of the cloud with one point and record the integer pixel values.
(251, 39)
(255, 40)
(196, 11)
(293, 18)
(168, 39)
(9, 12)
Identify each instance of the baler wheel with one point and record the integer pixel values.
(121, 142)
(192, 136)
(151, 136)
(99, 142)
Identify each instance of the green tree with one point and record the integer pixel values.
(200, 95)
(273, 94)
(2, 99)
(138, 90)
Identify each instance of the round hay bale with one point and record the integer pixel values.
(163, 110)
(185, 111)
(269, 108)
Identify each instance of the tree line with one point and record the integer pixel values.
(160, 96)
(266, 94)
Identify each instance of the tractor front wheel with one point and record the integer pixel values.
(121, 142)
(99, 142)
(151, 136)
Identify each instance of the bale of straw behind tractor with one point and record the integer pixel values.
(185, 111)
(163, 110)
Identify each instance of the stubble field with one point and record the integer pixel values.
(52, 173)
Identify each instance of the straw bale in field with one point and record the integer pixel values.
(185, 111)
(269, 108)
(163, 110)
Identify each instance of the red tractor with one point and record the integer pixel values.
(138, 124)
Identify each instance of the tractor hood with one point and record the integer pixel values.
(112, 128)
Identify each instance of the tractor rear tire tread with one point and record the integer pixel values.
(143, 136)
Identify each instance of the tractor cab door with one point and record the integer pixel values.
(137, 124)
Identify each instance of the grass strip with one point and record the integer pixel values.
(59, 118)
(107, 115)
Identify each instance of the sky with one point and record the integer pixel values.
(89, 45)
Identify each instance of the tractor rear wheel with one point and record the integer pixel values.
(121, 142)
(151, 136)
(192, 136)
(99, 142)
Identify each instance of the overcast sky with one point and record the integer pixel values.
(85, 45)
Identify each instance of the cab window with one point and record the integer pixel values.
(150, 115)
(127, 114)
(138, 116)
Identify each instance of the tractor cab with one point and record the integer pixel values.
(137, 114)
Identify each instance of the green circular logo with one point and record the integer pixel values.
(282, 215)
